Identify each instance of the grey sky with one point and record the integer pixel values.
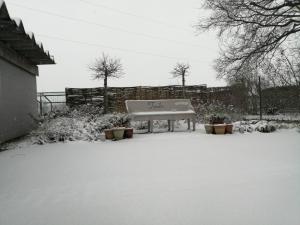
(141, 39)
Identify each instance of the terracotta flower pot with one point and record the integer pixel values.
(220, 128)
(109, 134)
(209, 128)
(128, 133)
(118, 133)
(229, 128)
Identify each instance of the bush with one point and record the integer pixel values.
(82, 123)
(206, 110)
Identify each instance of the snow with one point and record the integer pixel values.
(162, 113)
(39, 44)
(30, 34)
(180, 178)
(280, 117)
(17, 20)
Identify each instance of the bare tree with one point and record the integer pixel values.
(252, 32)
(181, 70)
(285, 70)
(103, 68)
(246, 83)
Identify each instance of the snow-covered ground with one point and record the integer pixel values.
(279, 117)
(181, 178)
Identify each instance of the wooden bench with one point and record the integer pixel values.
(165, 109)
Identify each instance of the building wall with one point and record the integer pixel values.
(18, 101)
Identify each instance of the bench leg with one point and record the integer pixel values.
(172, 123)
(151, 126)
(169, 125)
(194, 124)
(189, 124)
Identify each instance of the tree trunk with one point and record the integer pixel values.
(183, 85)
(105, 96)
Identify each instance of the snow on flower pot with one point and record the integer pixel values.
(219, 128)
(118, 133)
(109, 134)
(229, 128)
(209, 128)
(128, 133)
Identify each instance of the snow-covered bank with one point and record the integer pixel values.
(169, 178)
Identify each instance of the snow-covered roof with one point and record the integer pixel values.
(14, 35)
(17, 20)
(1, 3)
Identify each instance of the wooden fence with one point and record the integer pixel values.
(281, 99)
(118, 95)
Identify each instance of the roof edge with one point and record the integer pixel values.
(22, 37)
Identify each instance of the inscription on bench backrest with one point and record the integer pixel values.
(158, 105)
(155, 105)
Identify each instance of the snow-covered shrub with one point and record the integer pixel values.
(83, 123)
(86, 110)
(262, 126)
(205, 110)
(256, 125)
(266, 128)
(79, 111)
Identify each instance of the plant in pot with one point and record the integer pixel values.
(212, 120)
(229, 128)
(118, 133)
(220, 128)
(218, 124)
(209, 128)
(229, 125)
(128, 132)
(109, 135)
(217, 119)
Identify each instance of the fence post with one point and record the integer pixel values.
(66, 95)
(41, 105)
(260, 99)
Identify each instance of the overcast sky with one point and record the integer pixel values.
(148, 36)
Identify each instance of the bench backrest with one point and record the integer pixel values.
(161, 105)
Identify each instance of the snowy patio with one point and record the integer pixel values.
(179, 178)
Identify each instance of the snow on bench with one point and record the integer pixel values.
(164, 109)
